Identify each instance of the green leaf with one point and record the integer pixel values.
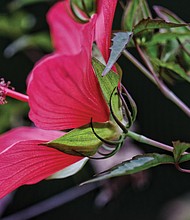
(136, 164)
(184, 40)
(184, 158)
(82, 141)
(120, 41)
(162, 38)
(179, 149)
(172, 66)
(135, 11)
(148, 24)
(169, 16)
(108, 83)
(12, 114)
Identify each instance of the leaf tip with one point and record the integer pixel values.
(105, 72)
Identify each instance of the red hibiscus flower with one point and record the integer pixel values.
(68, 34)
(64, 93)
(24, 161)
(105, 12)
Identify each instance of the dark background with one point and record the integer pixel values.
(158, 118)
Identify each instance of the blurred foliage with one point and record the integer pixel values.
(40, 40)
(18, 25)
(15, 24)
(17, 4)
(165, 42)
(13, 114)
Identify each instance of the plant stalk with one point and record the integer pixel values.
(145, 140)
(163, 88)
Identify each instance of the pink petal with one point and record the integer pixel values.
(64, 93)
(27, 162)
(26, 133)
(69, 36)
(105, 11)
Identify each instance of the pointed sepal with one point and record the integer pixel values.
(83, 142)
(120, 41)
(108, 84)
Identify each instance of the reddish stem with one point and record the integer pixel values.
(5, 91)
(16, 95)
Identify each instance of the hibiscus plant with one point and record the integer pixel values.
(79, 107)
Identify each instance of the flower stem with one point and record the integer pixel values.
(163, 88)
(145, 140)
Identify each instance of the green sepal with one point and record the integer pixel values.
(119, 70)
(120, 41)
(135, 165)
(108, 83)
(88, 6)
(82, 141)
(77, 13)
